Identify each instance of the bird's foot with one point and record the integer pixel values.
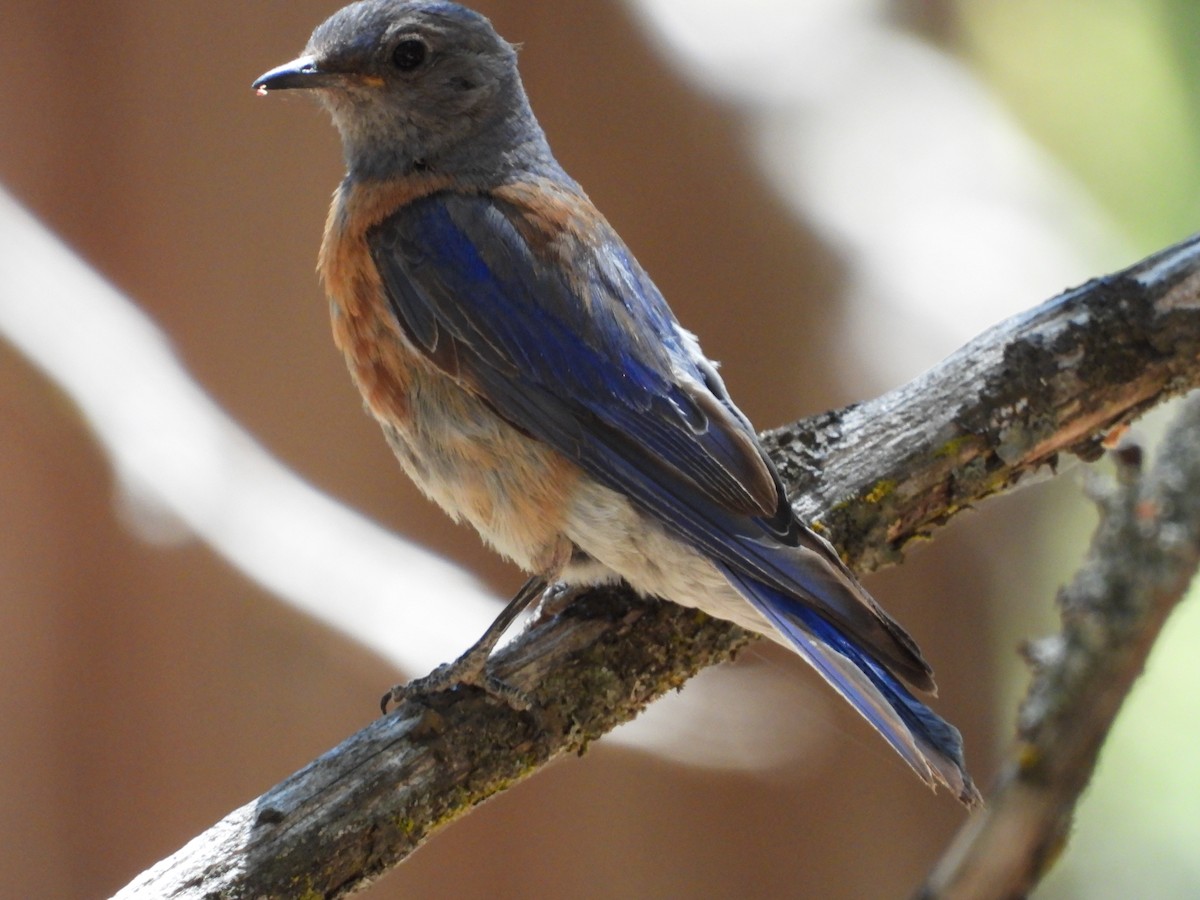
(471, 667)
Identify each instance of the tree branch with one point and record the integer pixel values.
(1142, 559)
(1017, 400)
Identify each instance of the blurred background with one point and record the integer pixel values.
(832, 193)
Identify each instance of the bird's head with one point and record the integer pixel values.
(413, 84)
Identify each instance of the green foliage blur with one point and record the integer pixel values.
(1110, 87)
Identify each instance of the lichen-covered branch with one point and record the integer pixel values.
(1019, 400)
(1142, 559)
(1045, 385)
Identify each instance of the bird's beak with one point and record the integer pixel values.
(302, 73)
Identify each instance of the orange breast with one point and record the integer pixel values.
(380, 359)
(459, 452)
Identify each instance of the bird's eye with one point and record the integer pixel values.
(409, 54)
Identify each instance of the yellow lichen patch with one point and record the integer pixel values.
(881, 490)
(1028, 757)
(954, 446)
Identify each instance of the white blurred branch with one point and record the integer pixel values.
(901, 160)
(174, 449)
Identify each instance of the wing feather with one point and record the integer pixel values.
(588, 358)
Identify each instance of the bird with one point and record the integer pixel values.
(532, 380)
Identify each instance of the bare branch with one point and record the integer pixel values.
(1018, 399)
(1142, 559)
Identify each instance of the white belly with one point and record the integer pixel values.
(625, 542)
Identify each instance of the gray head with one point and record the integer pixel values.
(413, 84)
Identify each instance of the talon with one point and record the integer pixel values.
(394, 695)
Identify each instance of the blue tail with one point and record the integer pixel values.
(928, 743)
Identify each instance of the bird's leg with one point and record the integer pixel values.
(471, 667)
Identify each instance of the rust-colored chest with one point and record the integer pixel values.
(461, 454)
(381, 361)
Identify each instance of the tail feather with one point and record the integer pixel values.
(928, 743)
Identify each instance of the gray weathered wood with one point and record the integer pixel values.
(1142, 559)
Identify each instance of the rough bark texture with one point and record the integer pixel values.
(1020, 399)
(1142, 559)
(1042, 386)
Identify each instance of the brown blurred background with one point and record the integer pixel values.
(145, 691)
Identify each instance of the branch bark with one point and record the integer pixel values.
(1142, 559)
(1027, 395)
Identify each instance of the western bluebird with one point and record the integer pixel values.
(532, 380)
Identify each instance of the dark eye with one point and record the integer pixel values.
(409, 54)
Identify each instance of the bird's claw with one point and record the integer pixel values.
(471, 667)
(468, 669)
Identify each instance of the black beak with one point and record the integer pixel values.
(302, 73)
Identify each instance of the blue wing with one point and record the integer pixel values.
(928, 743)
(587, 357)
